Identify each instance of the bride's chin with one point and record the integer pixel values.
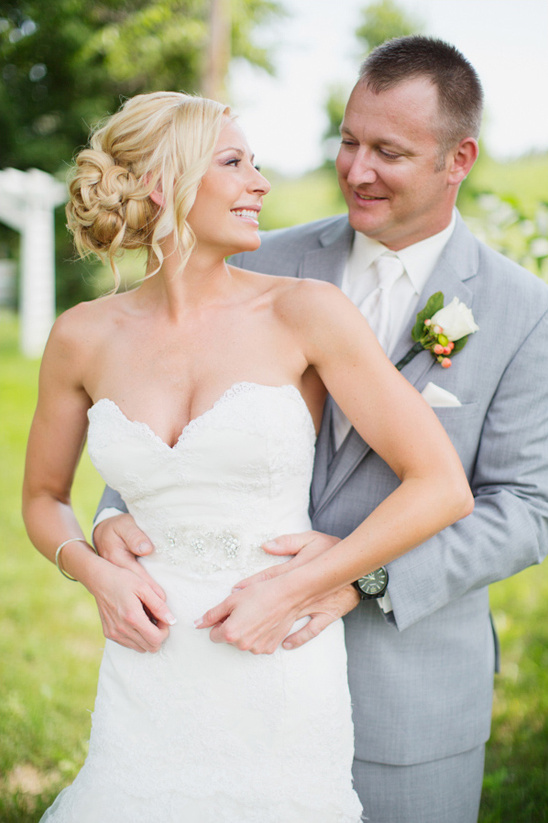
(250, 245)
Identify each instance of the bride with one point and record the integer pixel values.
(200, 392)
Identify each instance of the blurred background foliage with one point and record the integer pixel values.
(66, 65)
(63, 66)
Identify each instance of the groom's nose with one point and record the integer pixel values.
(360, 169)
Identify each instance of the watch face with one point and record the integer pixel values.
(374, 582)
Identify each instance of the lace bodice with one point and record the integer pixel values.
(238, 474)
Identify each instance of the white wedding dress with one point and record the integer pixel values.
(203, 732)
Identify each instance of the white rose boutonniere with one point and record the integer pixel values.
(441, 330)
(455, 320)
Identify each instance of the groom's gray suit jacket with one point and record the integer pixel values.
(422, 682)
(422, 687)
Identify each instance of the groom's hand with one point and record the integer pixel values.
(303, 548)
(119, 540)
(324, 612)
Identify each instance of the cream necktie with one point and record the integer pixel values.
(376, 306)
(376, 310)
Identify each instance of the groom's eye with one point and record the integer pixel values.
(389, 155)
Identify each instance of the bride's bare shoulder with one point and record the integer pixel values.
(87, 323)
(303, 299)
(294, 290)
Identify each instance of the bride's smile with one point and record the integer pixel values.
(225, 214)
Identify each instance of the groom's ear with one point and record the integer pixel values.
(461, 160)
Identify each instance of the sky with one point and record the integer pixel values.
(315, 48)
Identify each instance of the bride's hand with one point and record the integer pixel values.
(225, 618)
(132, 614)
(256, 618)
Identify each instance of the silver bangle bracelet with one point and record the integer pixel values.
(61, 547)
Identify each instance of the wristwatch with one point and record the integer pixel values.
(373, 585)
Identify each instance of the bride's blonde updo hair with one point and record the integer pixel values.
(163, 141)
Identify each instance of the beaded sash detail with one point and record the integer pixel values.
(206, 551)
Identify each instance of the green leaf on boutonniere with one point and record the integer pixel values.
(460, 344)
(434, 304)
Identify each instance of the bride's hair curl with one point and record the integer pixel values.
(163, 142)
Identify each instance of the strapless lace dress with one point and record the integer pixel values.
(203, 732)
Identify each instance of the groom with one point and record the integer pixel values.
(421, 659)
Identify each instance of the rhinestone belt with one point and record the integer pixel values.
(208, 550)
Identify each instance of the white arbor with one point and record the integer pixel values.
(27, 202)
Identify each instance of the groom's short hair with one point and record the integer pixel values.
(460, 95)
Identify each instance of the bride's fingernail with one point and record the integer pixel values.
(237, 589)
(198, 622)
(170, 619)
(270, 544)
(143, 548)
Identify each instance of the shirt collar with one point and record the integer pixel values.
(419, 259)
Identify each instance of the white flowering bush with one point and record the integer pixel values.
(503, 226)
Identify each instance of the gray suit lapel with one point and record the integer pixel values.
(328, 262)
(323, 456)
(457, 264)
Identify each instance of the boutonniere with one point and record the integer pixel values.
(441, 330)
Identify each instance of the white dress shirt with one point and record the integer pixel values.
(359, 279)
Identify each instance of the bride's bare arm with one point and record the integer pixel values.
(55, 444)
(397, 423)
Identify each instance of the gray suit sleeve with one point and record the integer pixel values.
(110, 500)
(508, 529)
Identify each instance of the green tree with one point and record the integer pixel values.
(65, 64)
(384, 20)
(380, 21)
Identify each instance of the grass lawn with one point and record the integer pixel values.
(51, 642)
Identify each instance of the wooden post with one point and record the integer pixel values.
(218, 51)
